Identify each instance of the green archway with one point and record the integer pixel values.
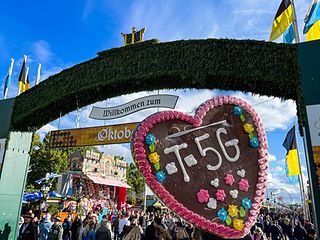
(251, 66)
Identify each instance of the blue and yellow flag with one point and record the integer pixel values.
(292, 160)
(312, 24)
(282, 20)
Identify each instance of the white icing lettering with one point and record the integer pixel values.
(233, 142)
(204, 151)
(176, 150)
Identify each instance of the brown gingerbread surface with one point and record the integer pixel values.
(200, 176)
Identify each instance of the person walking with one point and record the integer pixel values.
(115, 227)
(76, 226)
(299, 232)
(103, 232)
(151, 233)
(66, 228)
(123, 222)
(162, 232)
(89, 231)
(56, 231)
(45, 227)
(28, 231)
(275, 231)
(258, 234)
(134, 232)
(180, 232)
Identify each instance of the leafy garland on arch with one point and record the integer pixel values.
(259, 67)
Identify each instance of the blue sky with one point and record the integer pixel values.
(59, 34)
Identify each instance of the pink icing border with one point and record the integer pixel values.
(169, 200)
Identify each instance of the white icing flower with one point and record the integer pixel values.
(212, 203)
(171, 168)
(234, 193)
(215, 182)
(190, 160)
(241, 173)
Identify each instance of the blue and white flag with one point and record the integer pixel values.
(8, 80)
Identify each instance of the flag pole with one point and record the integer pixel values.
(9, 75)
(25, 79)
(301, 184)
(38, 74)
(295, 24)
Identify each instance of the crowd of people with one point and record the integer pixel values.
(155, 225)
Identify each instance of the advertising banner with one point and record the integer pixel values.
(102, 135)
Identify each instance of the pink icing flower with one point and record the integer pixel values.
(220, 195)
(229, 180)
(203, 196)
(243, 185)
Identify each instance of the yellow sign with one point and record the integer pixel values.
(102, 135)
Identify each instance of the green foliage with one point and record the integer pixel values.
(136, 181)
(45, 160)
(263, 68)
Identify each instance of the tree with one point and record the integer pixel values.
(45, 160)
(136, 181)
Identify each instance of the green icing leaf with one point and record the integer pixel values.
(242, 118)
(242, 212)
(152, 147)
(157, 166)
(251, 135)
(228, 221)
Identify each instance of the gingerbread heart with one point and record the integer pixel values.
(209, 169)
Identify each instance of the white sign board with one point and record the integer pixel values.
(153, 101)
(313, 113)
(2, 149)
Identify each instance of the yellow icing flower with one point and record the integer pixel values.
(233, 210)
(248, 128)
(154, 157)
(238, 224)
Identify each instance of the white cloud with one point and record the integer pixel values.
(42, 51)
(118, 150)
(45, 129)
(88, 7)
(278, 169)
(272, 158)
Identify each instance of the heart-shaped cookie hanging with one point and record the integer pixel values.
(210, 169)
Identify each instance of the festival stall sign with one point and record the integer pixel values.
(109, 134)
(210, 169)
(152, 101)
(313, 112)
